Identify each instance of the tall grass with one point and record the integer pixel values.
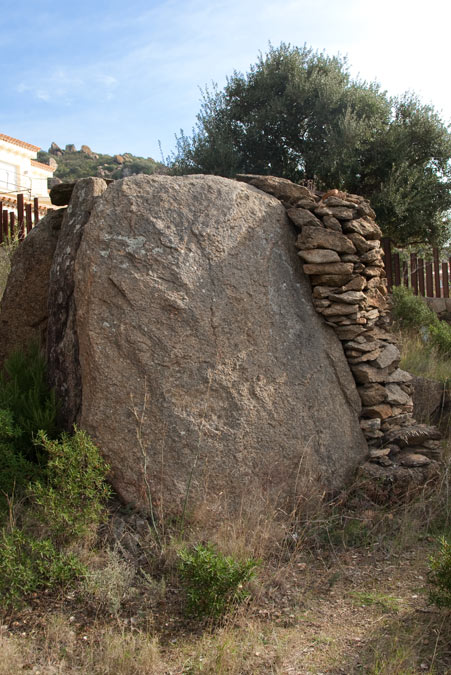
(412, 315)
(420, 359)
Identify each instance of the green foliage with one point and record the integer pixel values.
(423, 362)
(440, 337)
(213, 582)
(411, 311)
(72, 494)
(298, 114)
(137, 165)
(27, 405)
(63, 481)
(440, 575)
(66, 502)
(25, 392)
(28, 564)
(350, 533)
(387, 603)
(16, 470)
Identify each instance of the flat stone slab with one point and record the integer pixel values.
(412, 435)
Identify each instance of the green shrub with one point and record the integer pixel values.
(62, 479)
(72, 495)
(28, 564)
(26, 405)
(410, 311)
(440, 337)
(440, 575)
(213, 581)
(348, 533)
(24, 391)
(65, 502)
(16, 471)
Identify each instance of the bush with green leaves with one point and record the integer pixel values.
(440, 337)
(72, 493)
(411, 311)
(440, 575)
(28, 564)
(65, 502)
(213, 582)
(16, 471)
(60, 482)
(27, 405)
(25, 392)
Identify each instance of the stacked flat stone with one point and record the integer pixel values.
(339, 245)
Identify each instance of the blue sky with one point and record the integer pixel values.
(121, 75)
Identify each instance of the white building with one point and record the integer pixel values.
(20, 172)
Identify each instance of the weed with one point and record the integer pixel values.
(367, 598)
(107, 587)
(421, 361)
(346, 532)
(125, 654)
(440, 337)
(62, 483)
(245, 648)
(213, 581)
(140, 418)
(11, 659)
(440, 575)
(410, 312)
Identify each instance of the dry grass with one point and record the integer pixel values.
(61, 650)
(423, 361)
(336, 600)
(11, 654)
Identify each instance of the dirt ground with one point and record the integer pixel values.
(337, 611)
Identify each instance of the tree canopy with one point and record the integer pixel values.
(298, 114)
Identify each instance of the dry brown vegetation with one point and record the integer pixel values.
(342, 589)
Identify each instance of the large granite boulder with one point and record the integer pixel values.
(23, 309)
(194, 347)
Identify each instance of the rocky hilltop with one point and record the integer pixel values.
(71, 164)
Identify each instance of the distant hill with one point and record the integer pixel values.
(71, 164)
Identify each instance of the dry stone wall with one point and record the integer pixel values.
(339, 244)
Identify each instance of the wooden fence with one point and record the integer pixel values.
(17, 223)
(428, 277)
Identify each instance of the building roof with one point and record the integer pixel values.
(15, 141)
(40, 165)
